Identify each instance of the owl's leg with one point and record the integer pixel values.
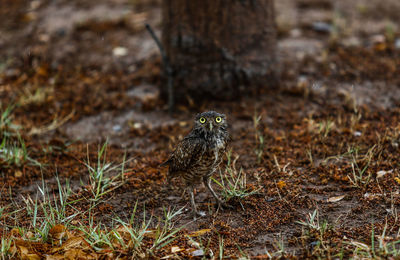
(194, 208)
(207, 182)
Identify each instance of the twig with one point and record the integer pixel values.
(167, 69)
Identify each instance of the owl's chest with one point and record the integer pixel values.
(208, 161)
(213, 155)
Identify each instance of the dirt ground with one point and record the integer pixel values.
(82, 73)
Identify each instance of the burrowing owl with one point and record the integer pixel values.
(199, 154)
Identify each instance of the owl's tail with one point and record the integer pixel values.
(166, 163)
(169, 175)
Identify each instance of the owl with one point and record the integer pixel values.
(200, 153)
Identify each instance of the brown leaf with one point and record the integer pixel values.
(13, 250)
(76, 254)
(18, 174)
(335, 199)
(24, 253)
(199, 232)
(31, 257)
(54, 257)
(23, 250)
(151, 233)
(42, 71)
(15, 232)
(176, 249)
(73, 243)
(58, 232)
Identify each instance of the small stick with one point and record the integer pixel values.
(167, 69)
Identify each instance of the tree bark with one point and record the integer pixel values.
(219, 48)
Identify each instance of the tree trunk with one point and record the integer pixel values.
(219, 48)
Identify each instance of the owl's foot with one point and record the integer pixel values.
(221, 204)
(195, 213)
(224, 205)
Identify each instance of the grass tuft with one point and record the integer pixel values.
(360, 177)
(315, 230)
(259, 137)
(100, 182)
(13, 151)
(385, 248)
(5, 247)
(233, 183)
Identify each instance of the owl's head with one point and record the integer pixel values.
(210, 122)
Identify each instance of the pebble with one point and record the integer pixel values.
(198, 252)
(378, 38)
(351, 42)
(120, 51)
(12, 72)
(322, 27)
(117, 128)
(137, 125)
(295, 33)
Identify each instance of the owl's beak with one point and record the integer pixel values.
(211, 126)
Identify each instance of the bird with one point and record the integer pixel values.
(199, 154)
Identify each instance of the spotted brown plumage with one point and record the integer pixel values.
(200, 153)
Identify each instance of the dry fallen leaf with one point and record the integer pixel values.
(23, 250)
(18, 174)
(397, 179)
(150, 233)
(176, 249)
(57, 232)
(359, 244)
(76, 254)
(15, 232)
(54, 257)
(13, 250)
(73, 243)
(198, 252)
(193, 244)
(24, 253)
(382, 173)
(335, 199)
(199, 232)
(32, 257)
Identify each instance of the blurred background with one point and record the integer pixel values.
(102, 46)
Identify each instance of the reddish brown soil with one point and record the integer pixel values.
(348, 79)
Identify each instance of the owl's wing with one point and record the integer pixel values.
(185, 154)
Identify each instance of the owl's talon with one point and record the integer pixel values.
(224, 205)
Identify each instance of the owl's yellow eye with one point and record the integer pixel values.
(202, 120)
(218, 119)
